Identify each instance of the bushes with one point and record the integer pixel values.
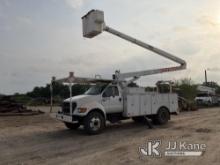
(21, 98)
(186, 89)
(41, 95)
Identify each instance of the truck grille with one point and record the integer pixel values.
(66, 107)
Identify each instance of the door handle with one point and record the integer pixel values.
(119, 99)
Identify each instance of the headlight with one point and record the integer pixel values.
(82, 109)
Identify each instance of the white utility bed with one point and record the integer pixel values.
(137, 102)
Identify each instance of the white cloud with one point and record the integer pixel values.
(5, 3)
(75, 4)
(24, 20)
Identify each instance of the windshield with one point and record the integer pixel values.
(96, 89)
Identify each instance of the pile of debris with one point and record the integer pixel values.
(9, 107)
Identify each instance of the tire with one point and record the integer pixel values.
(72, 125)
(139, 119)
(94, 123)
(162, 116)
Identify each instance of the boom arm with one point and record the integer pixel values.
(121, 76)
(93, 24)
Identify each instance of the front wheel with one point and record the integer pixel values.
(94, 123)
(162, 116)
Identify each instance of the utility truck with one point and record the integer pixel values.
(206, 96)
(113, 99)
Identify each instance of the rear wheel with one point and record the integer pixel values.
(94, 123)
(72, 125)
(162, 116)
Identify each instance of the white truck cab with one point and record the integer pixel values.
(105, 97)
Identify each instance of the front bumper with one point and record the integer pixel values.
(66, 118)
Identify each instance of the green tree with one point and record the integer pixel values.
(186, 88)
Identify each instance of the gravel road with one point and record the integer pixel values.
(40, 139)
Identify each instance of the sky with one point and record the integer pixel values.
(43, 38)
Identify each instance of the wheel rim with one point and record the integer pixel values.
(95, 123)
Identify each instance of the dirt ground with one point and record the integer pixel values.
(40, 139)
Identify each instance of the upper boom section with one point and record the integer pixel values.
(94, 24)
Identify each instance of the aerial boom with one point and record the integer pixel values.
(93, 24)
(145, 45)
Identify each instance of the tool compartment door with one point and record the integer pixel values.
(132, 106)
(159, 100)
(173, 100)
(145, 106)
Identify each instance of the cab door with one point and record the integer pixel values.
(112, 100)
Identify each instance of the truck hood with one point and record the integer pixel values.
(81, 99)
